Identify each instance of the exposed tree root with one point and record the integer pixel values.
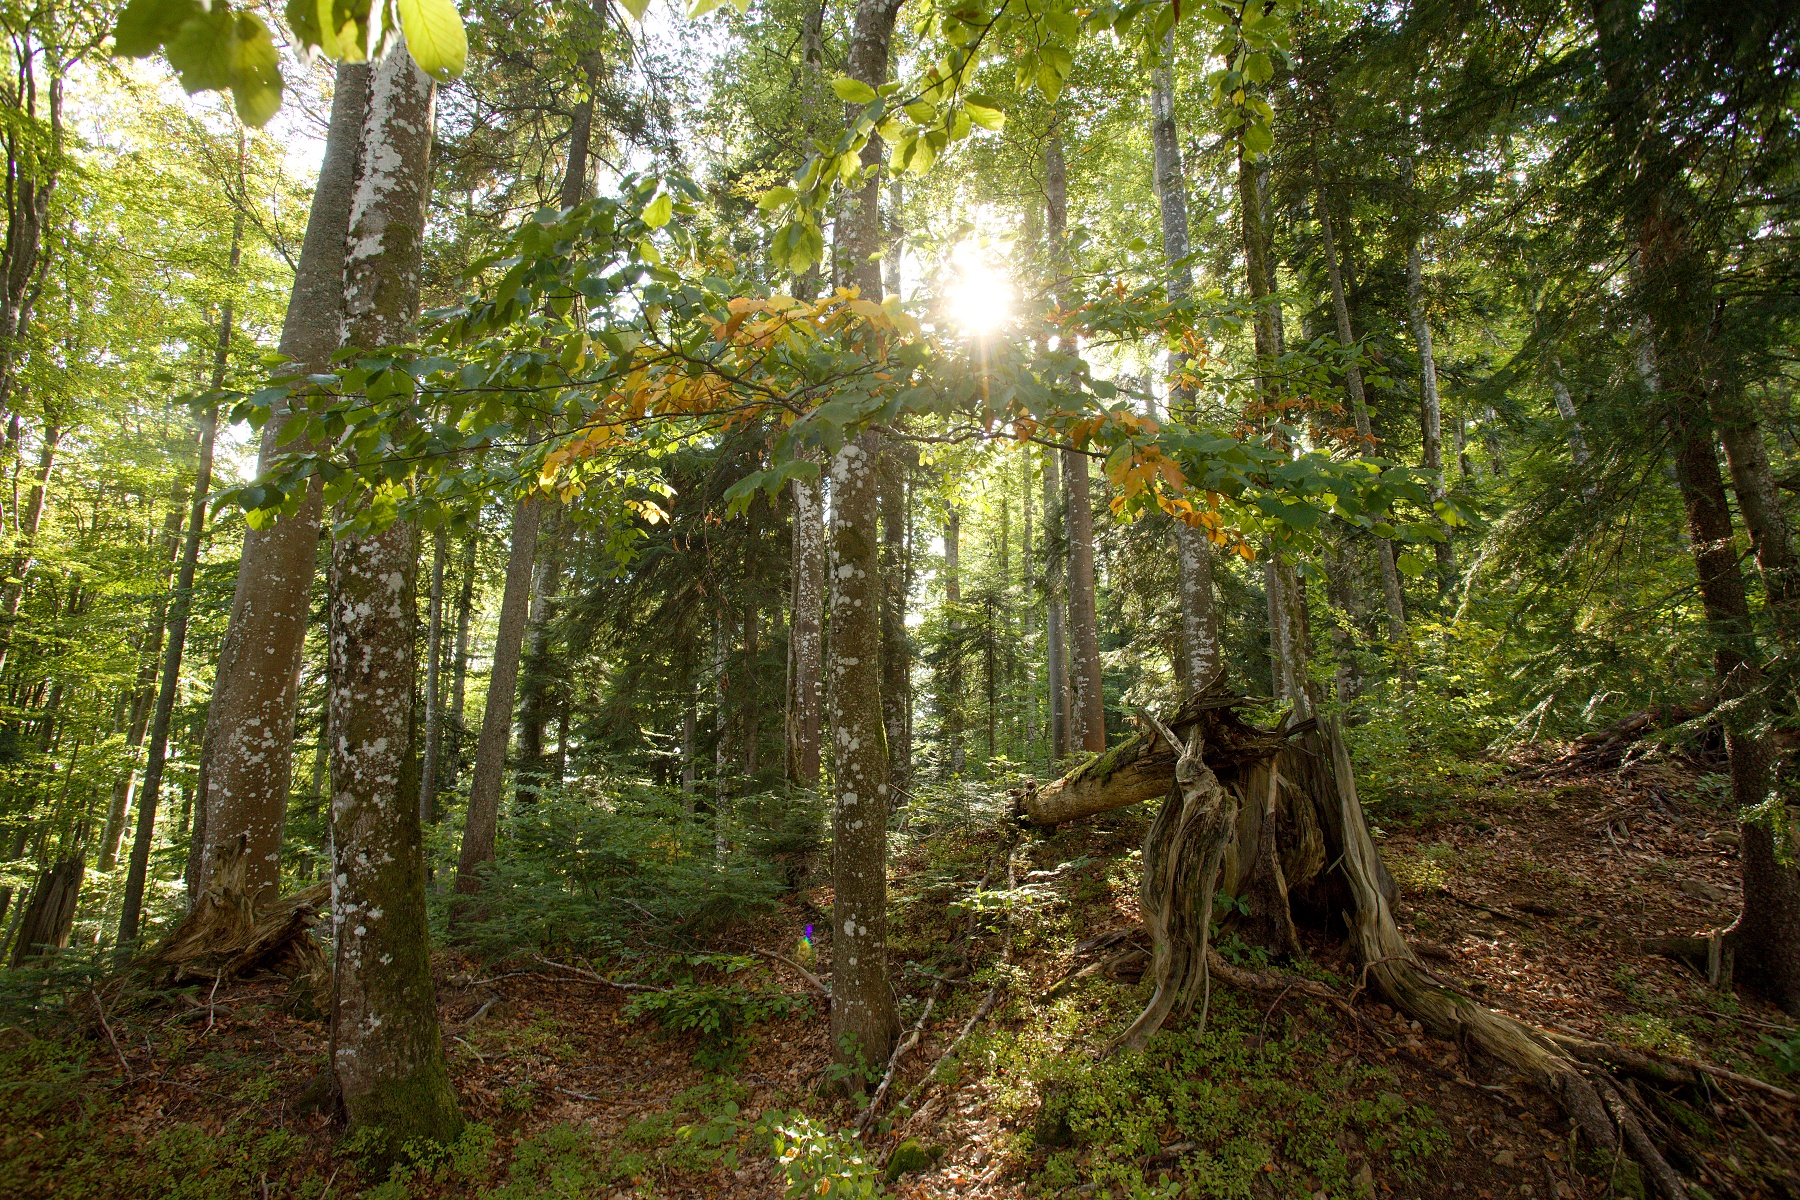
(1284, 821)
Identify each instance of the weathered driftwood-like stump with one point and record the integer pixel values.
(229, 935)
(1272, 819)
(49, 915)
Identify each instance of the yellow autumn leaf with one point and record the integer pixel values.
(435, 37)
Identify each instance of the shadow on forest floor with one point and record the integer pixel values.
(1536, 908)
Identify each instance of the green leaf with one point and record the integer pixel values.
(1048, 81)
(637, 8)
(921, 111)
(659, 210)
(852, 91)
(435, 37)
(985, 111)
(774, 198)
(1258, 138)
(146, 24)
(255, 72)
(1258, 68)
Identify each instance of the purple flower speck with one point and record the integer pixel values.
(808, 934)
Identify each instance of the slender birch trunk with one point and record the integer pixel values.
(896, 653)
(434, 709)
(1431, 417)
(950, 697)
(1055, 618)
(806, 631)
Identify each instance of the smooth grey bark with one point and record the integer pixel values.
(1055, 617)
(434, 709)
(806, 632)
(250, 724)
(143, 693)
(864, 1020)
(481, 825)
(1431, 417)
(1759, 503)
(1087, 712)
(1193, 549)
(1393, 598)
(386, 1050)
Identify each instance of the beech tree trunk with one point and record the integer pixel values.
(1193, 549)
(950, 691)
(1087, 711)
(459, 667)
(1431, 416)
(1565, 408)
(896, 586)
(1055, 616)
(806, 633)
(864, 1020)
(434, 709)
(535, 686)
(143, 694)
(181, 604)
(249, 738)
(481, 825)
(386, 1050)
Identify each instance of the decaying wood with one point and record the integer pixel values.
(229, 935)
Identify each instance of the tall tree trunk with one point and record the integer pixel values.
(1193, 549)
(1431, 416)
(1028, 609)
(434, 709)
(459, 667)
(806, 632)
(143, 693)
(481, 825)
(535, 679)
(950, 697)
(1759, 503)
(1392, 596)
(687, 752)
(1676, 285)
(864, 1021)
(250, 725)
(1087, 711)
(1565, 408)
(1055, 618)
(181, 604)
(386, 1049)
(896, 655)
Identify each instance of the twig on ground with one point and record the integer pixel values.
(596, 977)
(814, 981)
(582, 1095)
(893, 1063)
(107, 1027)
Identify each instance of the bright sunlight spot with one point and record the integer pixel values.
(980, 294)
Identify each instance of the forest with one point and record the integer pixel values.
(865, 598)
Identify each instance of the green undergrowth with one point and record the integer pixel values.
(1254, 1101)
(597, 868)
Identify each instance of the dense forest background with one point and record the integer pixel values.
(1422, 371)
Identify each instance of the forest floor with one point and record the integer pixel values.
(1536, 906)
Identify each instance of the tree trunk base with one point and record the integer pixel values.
(229, 936)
